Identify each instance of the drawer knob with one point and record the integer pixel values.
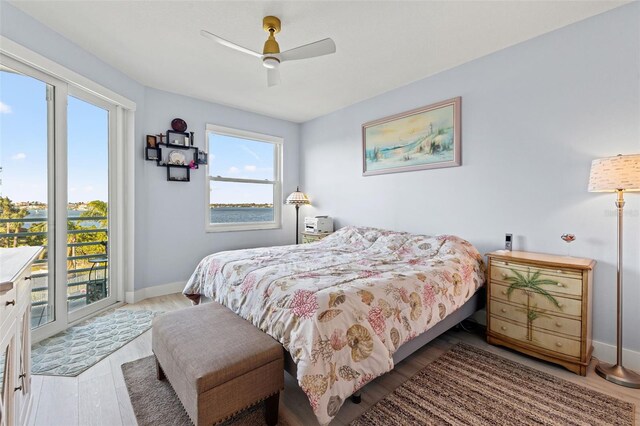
(503, 310)
(504, 275)
(559, 271)
(558, 324)
(503, 328)
(504, 292)
(560, 285)
(560, 305)
(558, 344)
(10, 302)
(27, 278)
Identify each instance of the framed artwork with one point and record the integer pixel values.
(151, 141)
(201, 157)
(423, 138)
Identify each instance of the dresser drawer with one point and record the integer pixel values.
(23, 284)
(537, 301)
(539, 338)
(567, 326)
(7, 304)
(568, 283)
(563, 272)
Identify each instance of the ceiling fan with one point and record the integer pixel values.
(271, 55)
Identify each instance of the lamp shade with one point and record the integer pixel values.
(298, 198)
(611, 174)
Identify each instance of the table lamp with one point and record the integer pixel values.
(618, 174)
(298, 199)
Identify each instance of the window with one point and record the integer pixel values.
(244, 180)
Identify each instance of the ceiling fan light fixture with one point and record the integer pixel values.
(271, 56)
(270, 62)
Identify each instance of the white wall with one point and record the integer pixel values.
(170, 216)
(533, 117)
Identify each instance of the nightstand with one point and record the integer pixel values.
(312, 237)
(540, 305)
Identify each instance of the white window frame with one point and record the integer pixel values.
(277, 182)
(121, 212)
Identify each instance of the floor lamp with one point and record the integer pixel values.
(298, 199)
(617, 174)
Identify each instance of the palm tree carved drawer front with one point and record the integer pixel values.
(540, 304)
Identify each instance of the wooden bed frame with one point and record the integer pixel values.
(475, 303)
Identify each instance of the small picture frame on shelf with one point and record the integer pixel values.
(152, 141)
(202, 157)
(151, 154)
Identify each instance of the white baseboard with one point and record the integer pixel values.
(154, 291)
(607, 353)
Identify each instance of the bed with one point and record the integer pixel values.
(348, 307)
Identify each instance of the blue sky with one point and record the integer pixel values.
(23, 143)
(240, 158)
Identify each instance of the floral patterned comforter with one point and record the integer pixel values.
(342, 306)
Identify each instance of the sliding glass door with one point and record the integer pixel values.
(56, 149)
(89, 134)
(26, 179)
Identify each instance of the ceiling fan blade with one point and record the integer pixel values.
(311, 50)
(273, 77)
(229, 44)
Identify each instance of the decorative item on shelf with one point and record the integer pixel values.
(161, 137)
(568, 238)
(423, 138)
(152, 141)
(202, 157)
(193, 165)
(177, 158)
(298, 199)
(618, 174)
(151, 149)
(179, 125)
(177, 138)
(151, 154)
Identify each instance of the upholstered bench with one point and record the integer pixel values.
(217, 363)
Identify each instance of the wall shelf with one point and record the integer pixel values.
(160, 153)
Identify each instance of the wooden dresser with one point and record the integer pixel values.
(15, 334)
(312, 237)
(540, 305)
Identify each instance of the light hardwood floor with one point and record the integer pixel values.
(98, 396)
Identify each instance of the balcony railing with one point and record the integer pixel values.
(78, 265)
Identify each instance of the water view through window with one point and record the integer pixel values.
(242, 180)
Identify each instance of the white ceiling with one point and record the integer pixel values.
(381, 45)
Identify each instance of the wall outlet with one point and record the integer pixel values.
(508, 242)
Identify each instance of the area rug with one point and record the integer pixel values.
(156, 404)
(77, 348)
(469, 386)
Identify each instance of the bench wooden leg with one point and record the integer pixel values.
(356, 398)
(271, 415)
(159, 372)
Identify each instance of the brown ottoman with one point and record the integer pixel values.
(217, 363)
